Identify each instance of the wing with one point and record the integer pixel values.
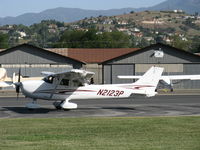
(167, 79)
(45, 73)
(129, 77)
(74, 74)
(6, 84)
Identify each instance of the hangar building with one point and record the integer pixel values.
(106, 63)
(175, 62)
(33, 60)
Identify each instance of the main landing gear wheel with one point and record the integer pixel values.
(66, 105)
(57, 105)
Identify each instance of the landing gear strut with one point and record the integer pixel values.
(57, 105)
(33, 105)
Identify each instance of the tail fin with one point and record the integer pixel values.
(149, 81)
(4, 80)
(3, 74)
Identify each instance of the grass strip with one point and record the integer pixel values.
(168, 133)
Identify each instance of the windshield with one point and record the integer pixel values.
(49, 79)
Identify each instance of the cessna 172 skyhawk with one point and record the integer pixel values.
(74, 84)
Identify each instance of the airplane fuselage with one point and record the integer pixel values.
(39, 89)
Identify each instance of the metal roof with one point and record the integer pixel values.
(92, 55)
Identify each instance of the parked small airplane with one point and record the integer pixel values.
(167, 81)
(6, 81)
(74, 84)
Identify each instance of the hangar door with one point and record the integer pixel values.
(111, 72)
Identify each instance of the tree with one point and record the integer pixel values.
(181, 44)
(195, 44)
(3, 40)
(70, 39)
(116, 39)
(90, 39)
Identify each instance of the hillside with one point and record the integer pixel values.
(161, 21)
(140, 28)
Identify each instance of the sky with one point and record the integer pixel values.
(17, 7)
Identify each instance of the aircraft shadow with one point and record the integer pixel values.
(110, 107)
(24, 110)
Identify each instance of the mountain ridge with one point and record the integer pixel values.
(74, 14)
(189, 6)
(61, 14)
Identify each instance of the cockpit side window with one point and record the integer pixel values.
(64, 82)
(76, 83)
(73, 83)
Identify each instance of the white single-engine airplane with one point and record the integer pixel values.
(74, 84)
(167, 81)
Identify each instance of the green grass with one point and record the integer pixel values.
(168, 133)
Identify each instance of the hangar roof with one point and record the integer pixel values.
(93, 55)
(4, 51)
(83, 55)
(99, 55)
(176, 50)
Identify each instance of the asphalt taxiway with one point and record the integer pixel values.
(161, 105)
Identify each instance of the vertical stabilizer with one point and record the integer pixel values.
(3, 74)
(149, 80)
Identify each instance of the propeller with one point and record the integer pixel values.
(17, 85)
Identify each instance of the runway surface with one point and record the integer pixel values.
(162, 105)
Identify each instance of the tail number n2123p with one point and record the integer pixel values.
(105, 92)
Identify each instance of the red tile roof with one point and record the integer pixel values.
(92, 55)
